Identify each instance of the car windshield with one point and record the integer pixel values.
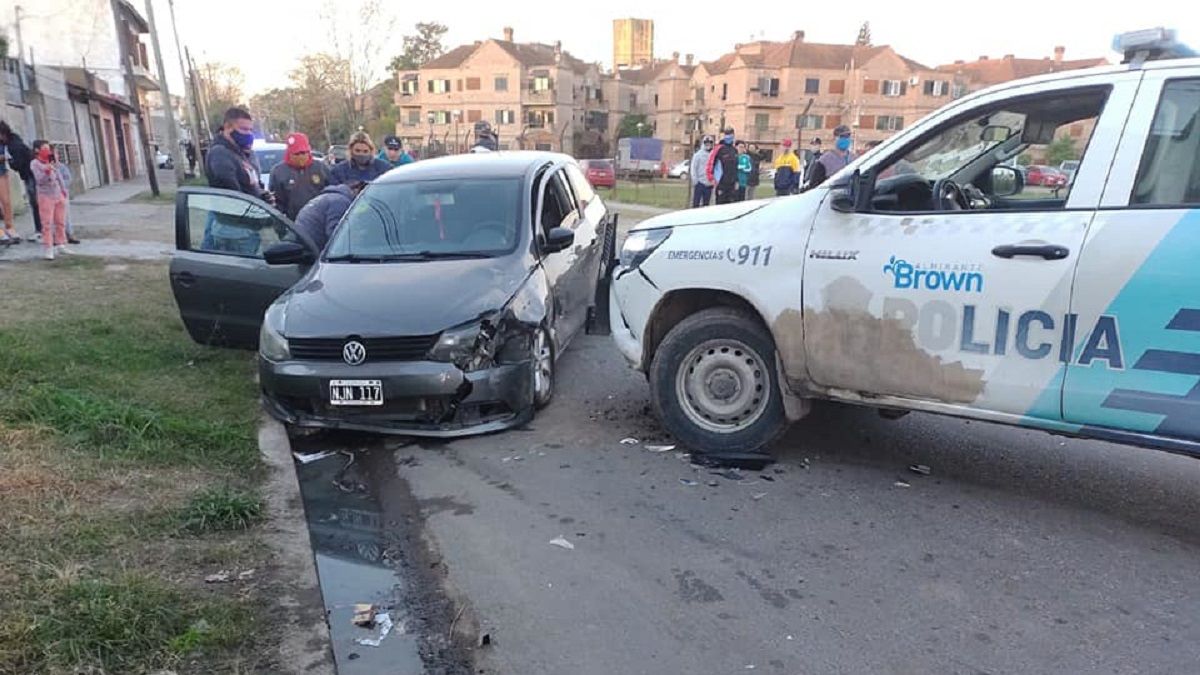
(267, 159)
(955, 147)
(461, 217)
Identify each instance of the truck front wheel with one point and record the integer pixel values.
(714, 385)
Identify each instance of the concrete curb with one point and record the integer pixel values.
(305, 646)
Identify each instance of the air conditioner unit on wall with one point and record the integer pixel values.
(914, 81)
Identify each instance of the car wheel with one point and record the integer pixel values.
(543, 369)
(714, 384)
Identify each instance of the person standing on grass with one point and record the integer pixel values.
(744, 166)
(834, 160)
(9, 236)
(20, 157)
(787, 170)
(51, 199)
(64, 172)
(755, 167)
(229, 164)
(722, 168)
(698, 174)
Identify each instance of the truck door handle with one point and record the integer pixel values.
(186, 279)
(1043, 251)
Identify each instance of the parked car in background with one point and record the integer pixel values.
(680, 170)
(1044, 176)
(600, 172)
(337, 153)
(267, 155)
(1069, 167)
(163, 160)
(438, 308)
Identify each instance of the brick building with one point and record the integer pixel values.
(536, 96)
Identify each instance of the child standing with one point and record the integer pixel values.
(51, 199)
(64, 172)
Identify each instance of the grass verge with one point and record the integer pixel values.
(128, 472)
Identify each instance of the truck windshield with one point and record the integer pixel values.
(428, 219)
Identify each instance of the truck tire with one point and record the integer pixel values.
(714, 385)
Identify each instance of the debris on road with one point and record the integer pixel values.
(902, 484)
(364, 615)
(629, 441)
(660, 448)
(688, 482)
(561, 542)
(313, 456)
(245, 575)
(731, 474)
(485, 640)
(920, 468)
(769, 479)
(758, 495)
(384, 621)
(218, 578)
(712, 483)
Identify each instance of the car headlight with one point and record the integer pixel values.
(271, 343)
(470, 347)
(639, 245)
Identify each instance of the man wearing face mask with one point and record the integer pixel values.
(362, 166)
(297, 179)
(832, 161)
(230, 164)
(723, 169)
(698, 173)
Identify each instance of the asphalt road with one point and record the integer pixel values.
(1020, 553)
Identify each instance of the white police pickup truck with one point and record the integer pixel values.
(927, 276)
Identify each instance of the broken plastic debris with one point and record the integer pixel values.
(731, 474)
(245, 574)
(758, 495)
(902, 484)
(712, 483)
(791, 637)
(660, 448)
(218, 578)
(688, 482)
(561, 542)
(364, 615)
(769, 479)
(313, 456)
(919, 468)
(629, 441)
(384, 621)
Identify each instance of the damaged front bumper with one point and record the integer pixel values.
(420, 398)
(632, 298)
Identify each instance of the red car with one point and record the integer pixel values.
(1045, 176)
(600, 172)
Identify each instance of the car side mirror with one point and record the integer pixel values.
(288, 253)
(842, 202)
(558, 239)
(1007, 181)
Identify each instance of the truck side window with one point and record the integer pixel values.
(1169, 174)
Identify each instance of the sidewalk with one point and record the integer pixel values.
(109, 225)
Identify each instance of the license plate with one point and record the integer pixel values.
(355, 392)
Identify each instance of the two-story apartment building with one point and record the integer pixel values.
(536, 96)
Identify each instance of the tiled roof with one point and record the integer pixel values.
(530, 55)
(451, 59)
(801, 54)
(995, 71)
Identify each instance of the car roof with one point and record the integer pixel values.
(501, 164)
(270, 146)
(1164, 64)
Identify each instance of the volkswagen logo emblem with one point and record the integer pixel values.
(354, 352)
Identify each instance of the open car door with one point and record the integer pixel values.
(219, 276)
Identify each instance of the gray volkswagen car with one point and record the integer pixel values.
(438, 307)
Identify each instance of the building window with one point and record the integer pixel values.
(414, 118)
(724, 90)
(656, 101)
(501, 83)
(893, 88)
(409, 87)
(474, 115)
(768, 86)
(958, 91)
(889, 123)
(936, 87)
(632, 101)
(837, 86)
(505, 117)
(809, 121)
(539, 120)
(473, 84)
(543, 147)
(541, 83)
(832, 121)
(865, 121)
(439, 86)
(812, 85)
(441, 116)
(870, 86)
(762, 121)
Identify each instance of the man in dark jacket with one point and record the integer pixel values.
(230, 161)
(832, 161)
(755, 167)
(320, 217)
(362, 165)
(722, 169)
(21, 156)
(297, 179)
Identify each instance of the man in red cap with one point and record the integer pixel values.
(787, 170)
(297, 179)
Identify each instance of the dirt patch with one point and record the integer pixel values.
(845, 346)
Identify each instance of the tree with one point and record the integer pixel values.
(380, 110)
(864, 35)
(634, 126)
(276, 111)
(358, 38)
(1061, 150)
(323, 101)
(420, 48)
(221, 85)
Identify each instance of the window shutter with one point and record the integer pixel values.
(866, 121)
(903, 88)
(870, 86)
(837, 86)
(831, 121)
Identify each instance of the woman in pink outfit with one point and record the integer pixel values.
(51, 198)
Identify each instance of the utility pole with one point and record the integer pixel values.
(134, 99)
(200, 101)
(20, 51)
(168, 108)
(189, 96)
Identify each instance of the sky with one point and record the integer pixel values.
(266, 37)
